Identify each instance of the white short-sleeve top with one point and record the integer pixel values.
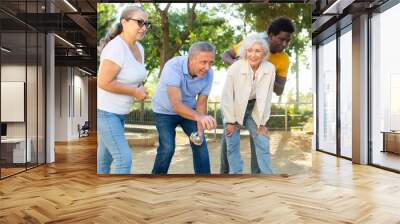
(131, 73)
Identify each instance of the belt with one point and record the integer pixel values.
(252, 101)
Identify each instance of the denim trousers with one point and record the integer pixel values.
(224, 168)
(166, 125)
(261, 144)
(113, 147)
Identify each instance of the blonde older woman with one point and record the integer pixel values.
(246, 100)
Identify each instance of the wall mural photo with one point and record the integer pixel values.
(204, 88)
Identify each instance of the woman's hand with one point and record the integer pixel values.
(230, 128)
(263, 131)
(140, 93)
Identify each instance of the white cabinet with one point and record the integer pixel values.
(18, 149)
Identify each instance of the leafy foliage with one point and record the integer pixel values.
(105, 18)
(206, 26)
(260, 17)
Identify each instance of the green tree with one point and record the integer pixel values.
(260, 16)
(106, 16)
(174, 30)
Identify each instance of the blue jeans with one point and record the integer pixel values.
(166, 125)
(224, 169)
(112, 144)
(261, 144)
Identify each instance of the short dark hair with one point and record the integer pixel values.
(281, 24)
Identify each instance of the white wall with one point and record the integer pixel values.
(71, 94)
(61, 103)
(14, 73)
(80, 104)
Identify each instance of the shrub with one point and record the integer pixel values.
(277, 120)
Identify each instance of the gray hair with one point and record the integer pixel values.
(249, 41)
(117, 29)
(201, 46)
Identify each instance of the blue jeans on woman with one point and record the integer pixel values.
(261, 144)
(113, 148)
(166, 125)
(224, 169)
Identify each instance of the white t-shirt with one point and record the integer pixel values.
(132, 73)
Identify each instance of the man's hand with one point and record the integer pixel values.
(206, 122)
(263, 131)
(230, 128)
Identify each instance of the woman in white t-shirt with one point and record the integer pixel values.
(121, 74)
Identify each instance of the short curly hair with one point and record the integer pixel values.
(281, 24)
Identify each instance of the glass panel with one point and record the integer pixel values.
(14, 152)
(346, 94)
(32, 86)
(386, 89)
(23, 82)
(327, 97)
(41, 99)
(31, 97)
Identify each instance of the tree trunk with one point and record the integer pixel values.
(165, 44)
(297, 82)
(166, 51)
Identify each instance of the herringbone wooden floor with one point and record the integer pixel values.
(69, 191)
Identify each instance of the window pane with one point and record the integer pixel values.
(386, 88)
(31, 97)
(346, 94)
(327, 97)
(41, 99)
(15, 150)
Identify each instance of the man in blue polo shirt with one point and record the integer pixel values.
(181, 99)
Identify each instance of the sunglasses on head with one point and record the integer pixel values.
(141, 22)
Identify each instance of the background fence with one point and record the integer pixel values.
(284, 116)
